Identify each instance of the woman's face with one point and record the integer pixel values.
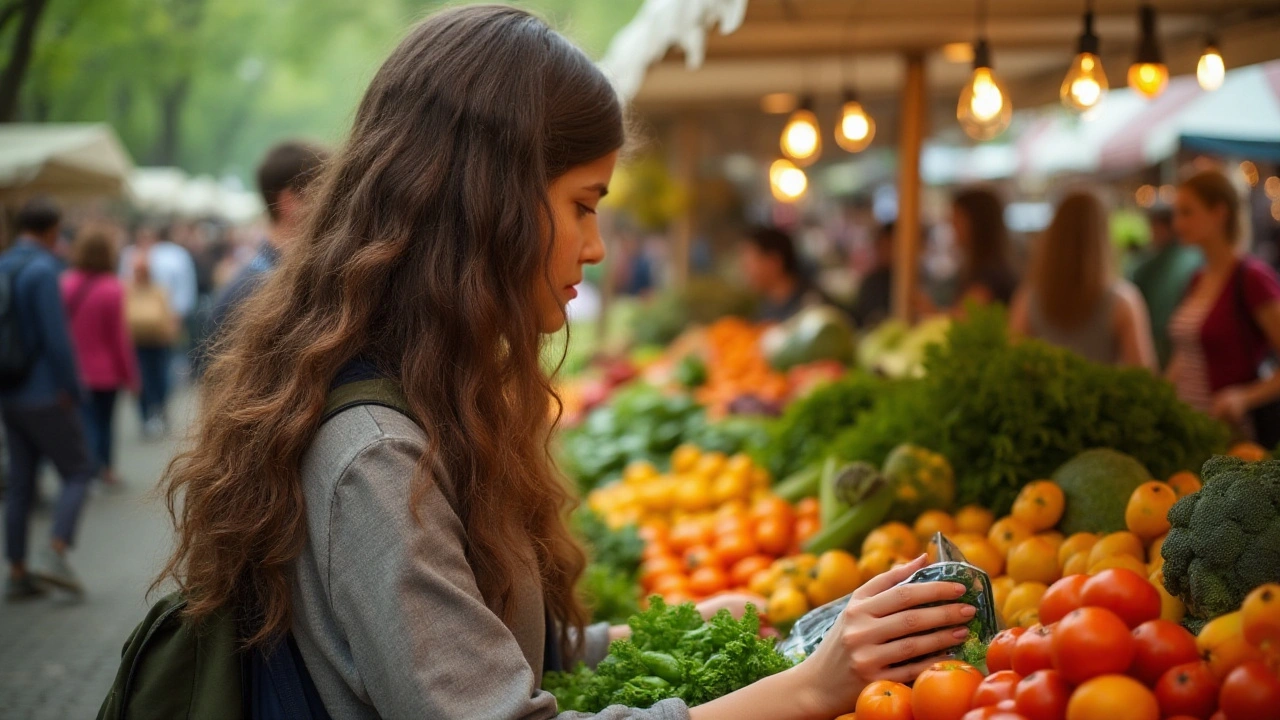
(574, 198)
(1195, 222)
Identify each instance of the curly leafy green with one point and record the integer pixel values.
(1006, 413)
(672, 653)
(800, 437)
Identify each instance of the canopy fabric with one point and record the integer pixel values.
(1127, 132)
(171, 191)
(69, 160)
(661, 25)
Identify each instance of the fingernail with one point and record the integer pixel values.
(919, 557)
(968, 610)
(960, 633)
(957, 589)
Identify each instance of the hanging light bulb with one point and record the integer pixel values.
(787, 182)
(1086, 83)
(1211, 70)
(856, 129)
(801, 141)
(984, 110)
(1148, 74)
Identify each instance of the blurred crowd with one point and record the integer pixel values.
(93, 309)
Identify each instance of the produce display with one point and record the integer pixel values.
(672, 653)
(818, 332)
(799, 439)
(1004, 413)
(608, 584)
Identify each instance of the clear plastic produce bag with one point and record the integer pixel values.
(948, 564)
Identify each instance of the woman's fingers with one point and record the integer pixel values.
(886, 580)
(918, 620)
(917, 645)
(901, 597)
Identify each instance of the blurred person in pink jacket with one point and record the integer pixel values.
(94, 301)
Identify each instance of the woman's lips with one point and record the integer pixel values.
(571, 291)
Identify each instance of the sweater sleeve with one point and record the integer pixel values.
(424, 643)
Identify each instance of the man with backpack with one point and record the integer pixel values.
(40, 393)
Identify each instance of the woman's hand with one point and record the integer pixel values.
(883, 625)
(1231, 404)
(735, 603)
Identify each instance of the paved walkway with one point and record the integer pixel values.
(57, 659)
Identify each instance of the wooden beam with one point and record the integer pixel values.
(906, 241)
(686, 165)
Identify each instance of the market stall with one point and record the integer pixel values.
(65, 160)
(681, 64)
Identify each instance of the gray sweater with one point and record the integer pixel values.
(387, 613)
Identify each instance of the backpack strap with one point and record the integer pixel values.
(381, 391)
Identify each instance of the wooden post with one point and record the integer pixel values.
(686, 177)
(906, 241)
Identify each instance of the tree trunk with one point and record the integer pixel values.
(19, 58)
(172, 101)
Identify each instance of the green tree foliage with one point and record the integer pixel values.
(208, 85)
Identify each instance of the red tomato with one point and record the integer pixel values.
(1089, 642)
(1006, 715)
(884, 700)
(1003, 709)
(1159, 645)
(1188, 689)
(1034, 650)
(1043, 695)
(996, 687)
(1061, 598)
(1251, 692)
(1218, 716)
(1000, 652)
(1125, 593)
(943, 691)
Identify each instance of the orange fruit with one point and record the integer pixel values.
(835, 576)
(729, 486)
(874, 563)
(656, 549)
(894, 537)
(1117, 543)
(764, 581)
(1039, 505)
(1260, 615)
(1154, 550)
(1000, 589)
(944, 690)
(650, 570)
(1146, 515)
(1108, 697)
(787, 604)
(700, 556)
(1171, 608)
(1054, 537)
(729, 523)
(771, 505)
(1184, 483)
(773, 535)
(1221, 643)
(708, 579)
(806, 527)
(1023, 596)
(1034, 559)
(685, 458)
(1007, 532)
(1248, 451)
(686, 534)
(1079, 542)
(639, 471)
(974, 519)
(934, 521)
(745, 569)
(732, 547)
(740, 463)
(671, 583)
(710, 464)
(981, 553)
(808, 507)
(1077, 564)
(693, 494)
(1128, 562)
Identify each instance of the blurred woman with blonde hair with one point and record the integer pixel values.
(1072, 297)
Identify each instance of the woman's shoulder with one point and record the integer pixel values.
(353, 436)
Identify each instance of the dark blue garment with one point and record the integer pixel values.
(249, 279)
(43, 324)
(280, 688)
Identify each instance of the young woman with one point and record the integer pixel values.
(986, 272)
(94, 301)
(423, 565)
(154, 328)
(1229, 320)
(1072, 297)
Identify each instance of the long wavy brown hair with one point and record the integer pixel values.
(427, 237)
(1073, 266)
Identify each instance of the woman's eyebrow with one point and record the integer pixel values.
(600, 188)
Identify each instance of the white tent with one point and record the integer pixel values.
(171, 191)
(71, 160)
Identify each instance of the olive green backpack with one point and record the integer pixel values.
(172, 668)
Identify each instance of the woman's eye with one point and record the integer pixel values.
(584, 211)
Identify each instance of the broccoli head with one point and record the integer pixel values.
(1225, 539)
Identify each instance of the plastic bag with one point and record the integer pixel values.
(948, 565)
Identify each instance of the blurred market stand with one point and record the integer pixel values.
(720, 82)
